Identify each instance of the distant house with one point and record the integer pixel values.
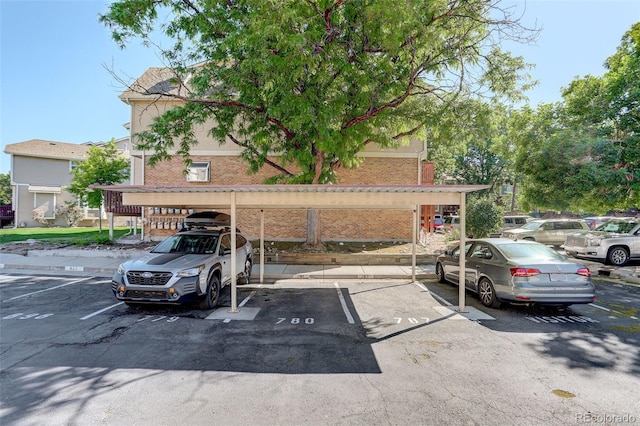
(216, 164)
(40, 176)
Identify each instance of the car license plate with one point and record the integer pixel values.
(558, 277)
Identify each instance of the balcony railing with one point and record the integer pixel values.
(113, 204)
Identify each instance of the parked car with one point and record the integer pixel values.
(451, 223)
(595, 221)
(547, 231)
(517, 271)
(192, 265)
(516, 221)
(615, 242)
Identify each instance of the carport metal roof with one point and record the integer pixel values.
(261, 197)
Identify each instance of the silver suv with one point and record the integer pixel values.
(192, 265)
(614, 242)
(548, 231)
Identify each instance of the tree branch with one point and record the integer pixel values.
(255, 152)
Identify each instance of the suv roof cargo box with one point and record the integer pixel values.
(209, 218)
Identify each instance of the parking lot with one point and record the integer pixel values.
(312, 352)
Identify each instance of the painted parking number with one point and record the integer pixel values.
(296, 321)
(24, 316)
(412, 320)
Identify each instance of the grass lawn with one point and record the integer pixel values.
(78, 236)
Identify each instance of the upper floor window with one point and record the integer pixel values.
(199, 172)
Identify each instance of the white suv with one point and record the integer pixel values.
(548, 231)
(615, 242)
(192, 265)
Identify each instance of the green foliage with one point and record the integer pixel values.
(483, 217)
(104, 166)
(58, 235)
(5, 189)
(313, 82)
(583, 154)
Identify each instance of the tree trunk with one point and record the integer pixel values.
(313, 227)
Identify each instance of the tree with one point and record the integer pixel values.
(483, 217)
(104, 165)
(583, 154)
(313, 82)
(5, 189)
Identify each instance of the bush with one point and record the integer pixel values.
(38, 215)
(71, 212)
(483, 217)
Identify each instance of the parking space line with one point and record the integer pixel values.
(612, 311)
(100, 311)
(46, 289)
(343, 302)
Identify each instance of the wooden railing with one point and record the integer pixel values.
(113, 204)
(7, 214)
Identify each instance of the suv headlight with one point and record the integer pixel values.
(191, 272)
(594, 242)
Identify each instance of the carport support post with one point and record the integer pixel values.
(261, 246)
(234, 255)
(413, 245)
(462, 259)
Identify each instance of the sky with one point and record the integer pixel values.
(55, 55)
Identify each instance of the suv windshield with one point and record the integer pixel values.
(189, 244)
(619, 226)
(532, 225)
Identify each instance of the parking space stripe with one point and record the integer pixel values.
(345, 308)
(46, 289)
(100, 311)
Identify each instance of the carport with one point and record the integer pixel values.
(262, 197)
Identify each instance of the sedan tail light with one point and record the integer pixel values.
(524, 272)
(584, 272)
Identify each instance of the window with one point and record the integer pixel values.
(198, 172)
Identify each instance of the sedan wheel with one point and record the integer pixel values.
(440, 273)
(212, 297)
(487, 294)
(618, 256)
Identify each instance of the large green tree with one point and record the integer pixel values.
(104, 165)
(312, 82)
(583, 154)
(5, 188)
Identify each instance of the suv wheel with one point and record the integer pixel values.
(618, 256)
(212, 297)
(246, 274)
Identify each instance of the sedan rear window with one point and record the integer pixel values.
(529, 251)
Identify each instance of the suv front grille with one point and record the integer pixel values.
(148, 278)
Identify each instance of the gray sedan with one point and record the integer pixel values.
(517, 271)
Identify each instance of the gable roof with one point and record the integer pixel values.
(154, 82)
(48, 149)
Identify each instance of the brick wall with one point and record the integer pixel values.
(291, 224)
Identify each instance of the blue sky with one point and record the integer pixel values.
(54, 85)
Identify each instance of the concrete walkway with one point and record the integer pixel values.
(103, 263)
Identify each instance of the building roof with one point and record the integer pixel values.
(49, 149)
(154, 82)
